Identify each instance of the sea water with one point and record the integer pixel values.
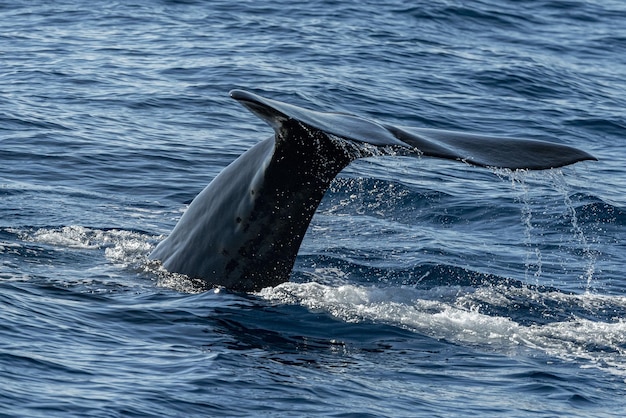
(422, 288)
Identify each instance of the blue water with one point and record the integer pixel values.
(423, 288)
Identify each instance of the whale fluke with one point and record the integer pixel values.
(243, 231)
(480, 150)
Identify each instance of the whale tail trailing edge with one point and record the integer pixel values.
(491, 151)
(480, 150)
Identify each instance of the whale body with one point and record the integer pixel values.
(243, 231)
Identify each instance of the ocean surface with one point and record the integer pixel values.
(423, 288)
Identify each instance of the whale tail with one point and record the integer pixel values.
(243, 231)
(480, 150)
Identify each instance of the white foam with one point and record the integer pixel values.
(68, 236)
(125, 249)
(119, 246)
(455, 315)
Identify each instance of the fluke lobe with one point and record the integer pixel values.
(243, 231)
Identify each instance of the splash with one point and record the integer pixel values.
(532, 213)
(533, 259)
(560, 184)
